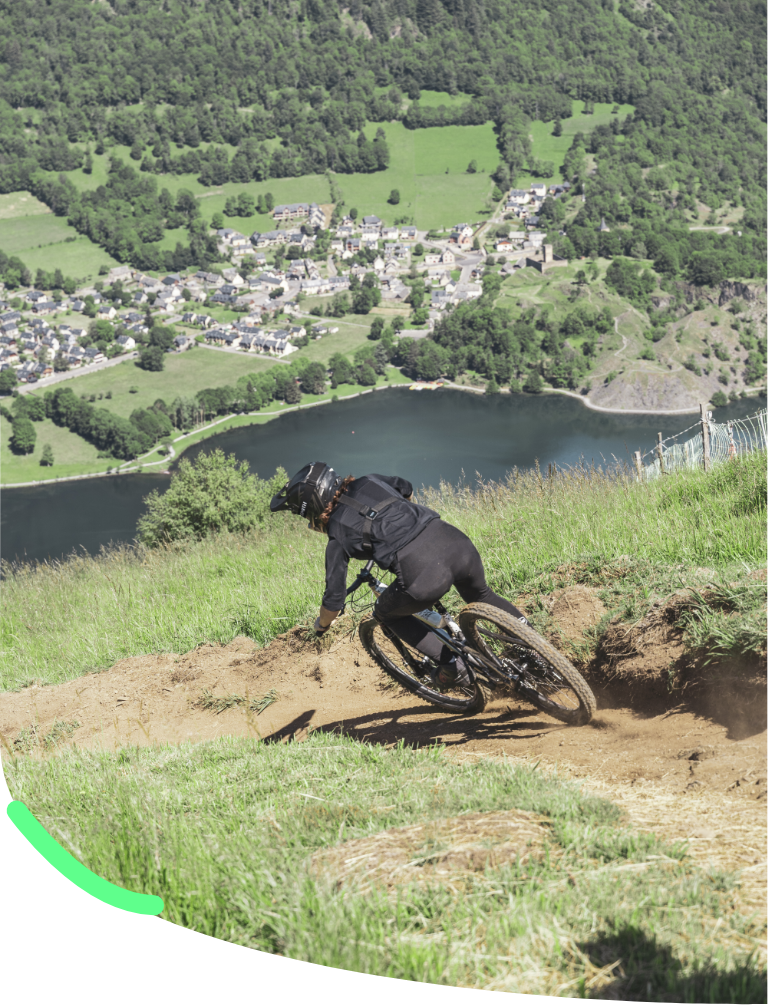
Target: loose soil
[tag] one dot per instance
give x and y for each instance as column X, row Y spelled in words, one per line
column 692, row 768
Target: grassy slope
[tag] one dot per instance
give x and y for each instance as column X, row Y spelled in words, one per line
column 682, row 527
column 224, row 832
column 21, row 204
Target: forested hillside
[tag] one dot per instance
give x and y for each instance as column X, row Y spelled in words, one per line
column 280, row 89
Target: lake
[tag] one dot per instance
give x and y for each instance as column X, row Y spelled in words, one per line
column 426, row 437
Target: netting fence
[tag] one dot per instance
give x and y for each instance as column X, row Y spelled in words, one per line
column 712, row 442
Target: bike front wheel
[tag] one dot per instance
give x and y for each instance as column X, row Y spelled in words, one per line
column 411, row 670
column 546, row 678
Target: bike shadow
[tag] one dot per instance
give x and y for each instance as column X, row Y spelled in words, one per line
column 421, row 727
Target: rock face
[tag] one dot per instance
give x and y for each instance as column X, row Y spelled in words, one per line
column 729, row 290
column 652, row 391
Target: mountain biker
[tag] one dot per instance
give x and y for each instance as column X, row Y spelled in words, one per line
column 374, row 517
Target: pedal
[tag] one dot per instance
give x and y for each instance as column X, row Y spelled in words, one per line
column 421, row 668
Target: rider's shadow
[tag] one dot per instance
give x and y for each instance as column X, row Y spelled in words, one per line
column 420, row 726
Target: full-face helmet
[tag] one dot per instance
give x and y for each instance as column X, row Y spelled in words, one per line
column 308, row 492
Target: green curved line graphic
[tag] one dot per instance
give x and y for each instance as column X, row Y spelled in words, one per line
column 76, row 872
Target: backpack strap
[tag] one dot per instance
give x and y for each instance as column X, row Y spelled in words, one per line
column 369, row 514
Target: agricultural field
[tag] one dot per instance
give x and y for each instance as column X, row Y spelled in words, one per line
column 16, row 204
column 428, row 168
column 44, row 241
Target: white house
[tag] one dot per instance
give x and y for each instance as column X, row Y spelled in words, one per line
column 518, row 197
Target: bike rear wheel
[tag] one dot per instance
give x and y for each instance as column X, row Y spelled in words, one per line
column 410, row 669
column 547, row 681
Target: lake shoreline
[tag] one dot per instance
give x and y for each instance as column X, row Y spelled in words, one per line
column 139, row 468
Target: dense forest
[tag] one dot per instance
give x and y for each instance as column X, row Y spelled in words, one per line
column 290, row 84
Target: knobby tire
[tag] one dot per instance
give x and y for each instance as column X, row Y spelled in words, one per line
column 549, row 682
column 401, row 663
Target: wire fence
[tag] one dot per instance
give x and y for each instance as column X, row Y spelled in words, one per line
column 712, row 442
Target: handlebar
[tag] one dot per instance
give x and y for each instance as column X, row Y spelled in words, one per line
column 362, row 577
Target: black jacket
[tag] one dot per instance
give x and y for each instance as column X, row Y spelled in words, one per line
column 396, row 527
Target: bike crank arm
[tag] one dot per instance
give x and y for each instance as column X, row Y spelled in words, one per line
column 492, row 670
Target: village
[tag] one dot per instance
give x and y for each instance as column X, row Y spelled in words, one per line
column 266, row 278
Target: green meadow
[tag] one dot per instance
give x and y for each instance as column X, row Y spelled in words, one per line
column 72, row 455
column 184, row 375
column 547, row 147
column 44, row 241
column 226, row 833
column 21, row 204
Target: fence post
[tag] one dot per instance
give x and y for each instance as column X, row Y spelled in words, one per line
column 705, row 436
column 660, row 454
column 732, row 445
column 639, row 464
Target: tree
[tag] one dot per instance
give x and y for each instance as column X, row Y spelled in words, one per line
column 23, row 436
column 151, row 357
column 366, row 375
column 377, row 327
column 46, row 458
column 492, row 387
column 472, row 167
column 8, row 380
column 313, row 379
column 60, row 364
column 246, row 205
column 217, row 221
column 394, row 197
column 353, row 213
column 292, row 394
column 719, row 399
column 269, row 202
column 534, row 384
column 214, row 493
column 557, row 129
column 341, row 370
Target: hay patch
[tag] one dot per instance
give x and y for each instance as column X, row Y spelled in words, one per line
column 442, row 851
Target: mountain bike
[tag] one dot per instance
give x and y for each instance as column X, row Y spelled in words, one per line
column 499, row 651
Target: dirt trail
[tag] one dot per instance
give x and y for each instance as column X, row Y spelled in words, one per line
column 674, row 770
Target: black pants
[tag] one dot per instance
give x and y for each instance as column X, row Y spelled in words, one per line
column 439, row 558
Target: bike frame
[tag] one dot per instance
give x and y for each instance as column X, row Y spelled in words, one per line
column 453, row 638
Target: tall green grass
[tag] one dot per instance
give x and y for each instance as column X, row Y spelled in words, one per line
column 224, row 832
column 65, row 619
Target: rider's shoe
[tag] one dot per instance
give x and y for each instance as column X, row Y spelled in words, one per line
column 454, row 673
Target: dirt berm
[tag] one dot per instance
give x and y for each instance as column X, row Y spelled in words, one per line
column 705, row 737
column 691, row 767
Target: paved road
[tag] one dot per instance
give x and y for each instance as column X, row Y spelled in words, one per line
column 57, row 378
